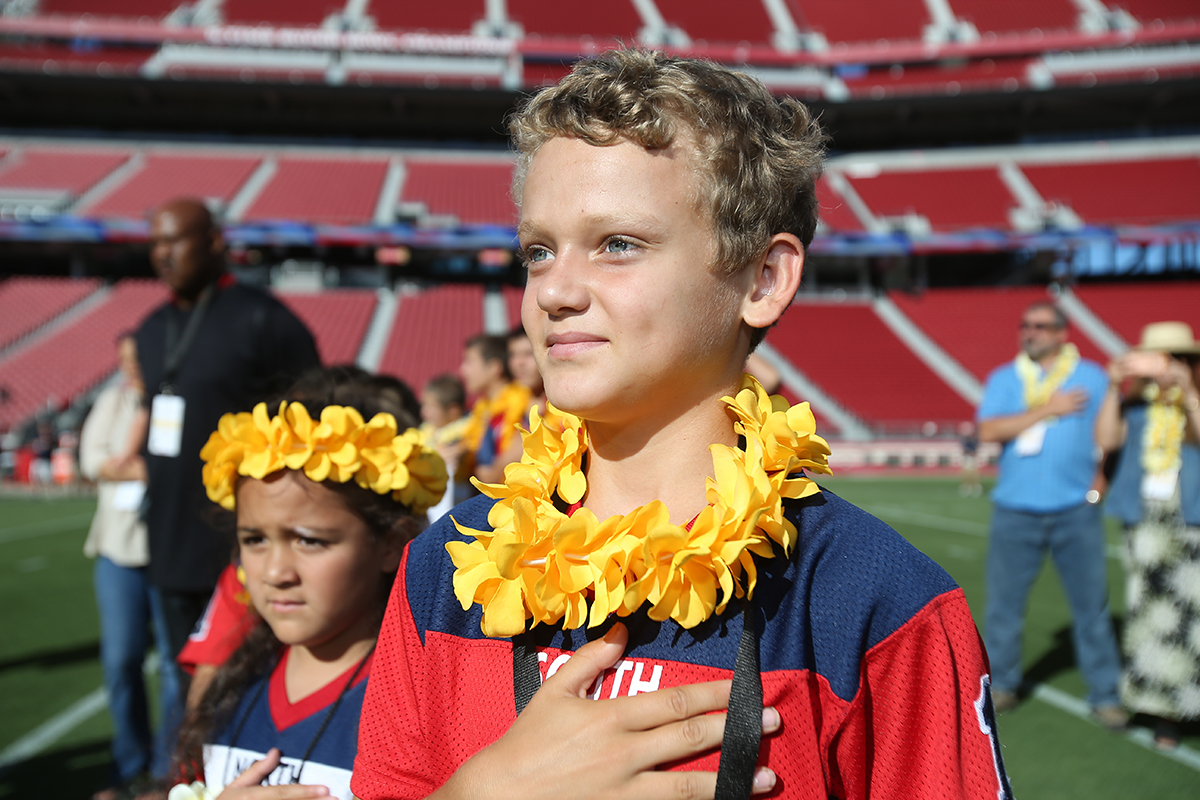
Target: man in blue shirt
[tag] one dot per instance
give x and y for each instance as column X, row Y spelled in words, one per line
column 1042, row 408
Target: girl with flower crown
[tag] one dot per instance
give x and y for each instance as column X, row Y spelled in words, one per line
column 326, row 492
column 1151, row 414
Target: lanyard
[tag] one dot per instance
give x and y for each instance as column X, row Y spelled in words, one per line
column 177, row 343
column 743, row 722
column 320, row 731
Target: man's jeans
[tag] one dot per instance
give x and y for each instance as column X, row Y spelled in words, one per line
column 128, row 605
column 1075, row 539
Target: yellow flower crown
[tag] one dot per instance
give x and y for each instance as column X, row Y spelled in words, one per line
column 339, row 447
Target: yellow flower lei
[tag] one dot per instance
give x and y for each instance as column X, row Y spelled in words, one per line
column 337, row 448
column 539, row 563
column 1038, row 388
column 1165, row 424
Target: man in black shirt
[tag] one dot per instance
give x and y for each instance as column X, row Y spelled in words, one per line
column 217, row 346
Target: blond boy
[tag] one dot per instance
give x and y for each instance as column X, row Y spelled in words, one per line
column 666, row 205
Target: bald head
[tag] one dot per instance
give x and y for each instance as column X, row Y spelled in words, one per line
column 187, row 249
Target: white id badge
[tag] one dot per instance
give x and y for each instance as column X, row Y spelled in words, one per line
column 1029, row 442
column 128, row 495
column 1159, row 486
column 166, row 425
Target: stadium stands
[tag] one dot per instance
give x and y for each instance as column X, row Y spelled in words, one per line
column 163, row 176
column 67, row 169
column 951, row 199
column 337, row 318
column 1018, row 16
column 709, row 21
column 30, row 303
column 76, row 357
column 50, row 58
column 834, row 214
column 851, row 354
column 1008, row 74
column 1149, row 12
column 435, row 18
column 430, row 329
column 862, row 20
column 474, row 192
column 337, row 191
column 136, row 9
column 978, row 327
column 1126, row 307
column 615, row 19
column 294, row 13
column 1144, row 192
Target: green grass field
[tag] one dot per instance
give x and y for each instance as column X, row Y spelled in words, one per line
column 49, row 663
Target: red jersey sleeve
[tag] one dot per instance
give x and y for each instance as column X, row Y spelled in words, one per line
column 922, row 723
column 224, row 625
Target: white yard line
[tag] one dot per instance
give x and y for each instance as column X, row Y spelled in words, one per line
column 31, row 530
column 1140, row 736
column 53, row 729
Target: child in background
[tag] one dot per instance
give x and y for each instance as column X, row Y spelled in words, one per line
column 326, row 493
column 444, row 423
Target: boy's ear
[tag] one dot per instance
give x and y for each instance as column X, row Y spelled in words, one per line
column 775, row 281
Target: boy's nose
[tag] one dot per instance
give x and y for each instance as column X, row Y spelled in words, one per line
column 562, row 288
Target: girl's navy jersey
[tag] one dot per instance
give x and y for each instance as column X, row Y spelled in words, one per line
column 867, row 649
column 265, row 718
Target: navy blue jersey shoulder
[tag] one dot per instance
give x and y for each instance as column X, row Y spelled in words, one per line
column 851, row 582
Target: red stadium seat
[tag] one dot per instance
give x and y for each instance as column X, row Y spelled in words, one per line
column 978, row 327
column 338, row 191
column 337, row 318
column 430, row 330
column 26, row 304
column 951, row 199
column 164, row 176
column 1146, row 192
column 851, row 354
column 76, row 357
column 474, row 192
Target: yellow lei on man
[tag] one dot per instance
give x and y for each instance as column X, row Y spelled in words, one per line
column 539, row 563
column 1165, row 424
column 1038, row 387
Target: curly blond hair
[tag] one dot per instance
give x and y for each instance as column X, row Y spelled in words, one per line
column 758, row 157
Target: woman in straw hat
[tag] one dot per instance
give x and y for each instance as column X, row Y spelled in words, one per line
column 1152, row 414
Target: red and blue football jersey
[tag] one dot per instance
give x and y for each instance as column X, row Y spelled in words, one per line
column 266, row 718
column 867, row 649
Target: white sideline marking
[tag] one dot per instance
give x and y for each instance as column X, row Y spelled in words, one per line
column 1140, row 736
column 53, row 729
column 32, row 530
column 940, row 523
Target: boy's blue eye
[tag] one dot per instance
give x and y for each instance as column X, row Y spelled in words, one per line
column 618, row 246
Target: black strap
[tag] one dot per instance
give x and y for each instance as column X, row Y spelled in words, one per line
column 527, row 676
column 743, row 721
column 177, row 343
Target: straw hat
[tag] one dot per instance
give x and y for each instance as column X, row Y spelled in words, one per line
column 1169, row 337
